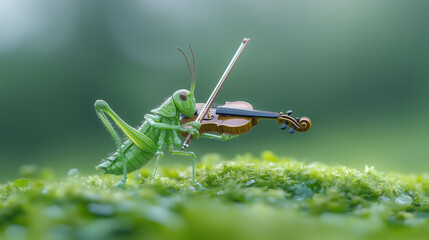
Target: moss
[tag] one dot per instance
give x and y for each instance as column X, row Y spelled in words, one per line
column 248, row 197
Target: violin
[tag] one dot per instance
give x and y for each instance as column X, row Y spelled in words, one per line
column 239, row 117
column 236, row 118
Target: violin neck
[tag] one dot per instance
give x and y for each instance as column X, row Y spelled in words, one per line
column 222, row 110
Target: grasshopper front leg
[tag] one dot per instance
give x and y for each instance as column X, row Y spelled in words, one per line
column 159, row 153
column 175, row 140
column 164, row 127
column 191, row 127
column 222, row 137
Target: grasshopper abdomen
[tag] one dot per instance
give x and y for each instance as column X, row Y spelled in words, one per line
column 135, row 159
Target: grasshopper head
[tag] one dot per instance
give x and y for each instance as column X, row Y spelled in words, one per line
column 185, row 102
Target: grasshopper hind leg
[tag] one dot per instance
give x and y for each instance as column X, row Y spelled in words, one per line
column 101, row 107
column 124, row 178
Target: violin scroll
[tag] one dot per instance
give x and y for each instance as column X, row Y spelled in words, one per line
column 302, row 124
column 305, row 124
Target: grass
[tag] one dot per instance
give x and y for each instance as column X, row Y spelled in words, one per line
column 248, row 197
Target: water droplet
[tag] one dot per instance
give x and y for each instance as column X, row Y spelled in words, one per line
column 404, row 200
column 302, row 193
column 384, row 198
column 74, row 172
column 250, row 182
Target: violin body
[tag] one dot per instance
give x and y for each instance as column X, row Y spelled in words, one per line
column 239, row 117
column 223, row 124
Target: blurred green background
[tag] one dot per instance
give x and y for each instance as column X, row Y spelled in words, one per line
column 358, row 69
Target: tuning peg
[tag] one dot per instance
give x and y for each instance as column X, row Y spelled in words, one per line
column 292, row 130
column 284, row 125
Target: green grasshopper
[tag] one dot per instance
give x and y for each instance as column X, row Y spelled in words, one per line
column 160, row 129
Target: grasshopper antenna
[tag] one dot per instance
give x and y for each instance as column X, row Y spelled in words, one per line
column 189, row 66
column 193, row 61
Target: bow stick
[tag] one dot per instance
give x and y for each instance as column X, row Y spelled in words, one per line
column 217, row 88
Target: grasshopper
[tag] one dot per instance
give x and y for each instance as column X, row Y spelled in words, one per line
column 161, row 128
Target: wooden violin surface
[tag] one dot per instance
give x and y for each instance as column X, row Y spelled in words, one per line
column 224, row 124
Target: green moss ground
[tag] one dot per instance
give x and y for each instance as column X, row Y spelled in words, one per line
column 248, row 197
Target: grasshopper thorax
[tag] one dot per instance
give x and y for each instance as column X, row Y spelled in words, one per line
column 185, row 102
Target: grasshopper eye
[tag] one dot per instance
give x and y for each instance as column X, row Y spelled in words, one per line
column 183, row 96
